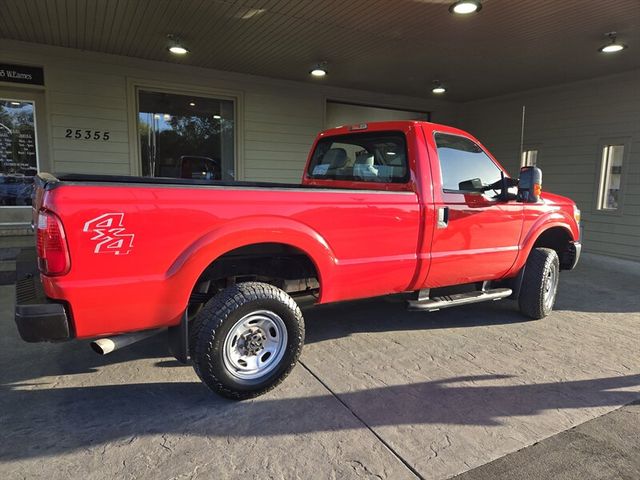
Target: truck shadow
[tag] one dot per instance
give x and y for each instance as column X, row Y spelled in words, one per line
column 47, row 422
column 390, row 314
column 32, row 361
column 594, row 289
column 323, row 323
column 587, row 289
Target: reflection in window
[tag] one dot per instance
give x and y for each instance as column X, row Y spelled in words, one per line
column 18, row 154
column 361, row 157
column 185, row 136
column 610, row 177
column 464, row 164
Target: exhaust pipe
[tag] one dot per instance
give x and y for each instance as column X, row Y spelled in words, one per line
column 103, row 346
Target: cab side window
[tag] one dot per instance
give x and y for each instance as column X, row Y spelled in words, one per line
column 463, row 164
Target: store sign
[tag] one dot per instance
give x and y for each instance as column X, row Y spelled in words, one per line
column 21, row 74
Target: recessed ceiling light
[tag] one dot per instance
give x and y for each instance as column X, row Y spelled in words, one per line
column 178, row 50
column 166, row 117
column 192, row 104
column 252, row 12
column 175, row 45
column 612, row 48
column 438, row 88
column 465, row 7
column 217, row 117
column 319, row 69
column 613, row 45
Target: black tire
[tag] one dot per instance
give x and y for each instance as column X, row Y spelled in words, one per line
column 220, row 315
column 539, row 283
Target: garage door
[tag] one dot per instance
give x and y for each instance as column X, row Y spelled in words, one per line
column 340, row 113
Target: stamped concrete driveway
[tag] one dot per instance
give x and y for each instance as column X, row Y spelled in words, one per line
column 380, row 393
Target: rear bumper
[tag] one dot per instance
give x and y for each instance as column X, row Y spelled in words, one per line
column 38, row 318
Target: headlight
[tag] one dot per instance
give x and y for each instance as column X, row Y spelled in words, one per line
column 576, row 214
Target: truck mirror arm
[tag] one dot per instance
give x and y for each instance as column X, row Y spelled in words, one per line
column 502, row 186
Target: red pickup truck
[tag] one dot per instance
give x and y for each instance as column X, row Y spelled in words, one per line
column 405, row 207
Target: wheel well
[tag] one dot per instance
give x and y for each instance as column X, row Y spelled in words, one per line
column 558, row 239
column 281, row 265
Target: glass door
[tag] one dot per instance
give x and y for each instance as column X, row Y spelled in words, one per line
column 21, row 152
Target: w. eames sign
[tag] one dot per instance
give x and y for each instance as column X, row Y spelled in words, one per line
column 21, row 74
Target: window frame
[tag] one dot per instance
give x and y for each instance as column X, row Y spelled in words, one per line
column 625, row 142
column 134, row 85
column 481, row 147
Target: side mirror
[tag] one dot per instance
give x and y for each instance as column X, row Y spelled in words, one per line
column 530, row 185
column 472, row 185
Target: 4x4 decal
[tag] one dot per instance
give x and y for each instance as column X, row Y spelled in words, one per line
column 110, row 233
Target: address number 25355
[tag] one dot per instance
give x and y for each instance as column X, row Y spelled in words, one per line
column 80, row 134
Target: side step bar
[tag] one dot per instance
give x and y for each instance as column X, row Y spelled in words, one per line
column 433, row 304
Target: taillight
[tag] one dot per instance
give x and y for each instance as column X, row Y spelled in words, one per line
column 53, row 254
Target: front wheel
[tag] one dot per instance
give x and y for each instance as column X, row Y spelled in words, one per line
column 246, row 340
column 540, row 283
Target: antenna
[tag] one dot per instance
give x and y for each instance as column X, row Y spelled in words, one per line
column 522, row 134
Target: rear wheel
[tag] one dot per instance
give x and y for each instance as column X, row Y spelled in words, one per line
column 540, row 283
column 246, row 340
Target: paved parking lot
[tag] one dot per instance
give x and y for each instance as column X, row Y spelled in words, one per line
column 381, row 393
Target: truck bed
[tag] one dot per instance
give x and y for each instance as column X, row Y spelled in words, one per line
column 137, row 245
column 75, row 178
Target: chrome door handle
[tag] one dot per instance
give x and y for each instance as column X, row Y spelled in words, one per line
column 443, row 217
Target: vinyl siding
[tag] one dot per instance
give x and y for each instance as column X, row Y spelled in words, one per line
column 276, row 120
column 567, row 125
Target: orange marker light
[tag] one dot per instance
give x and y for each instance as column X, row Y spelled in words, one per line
column 537, row 189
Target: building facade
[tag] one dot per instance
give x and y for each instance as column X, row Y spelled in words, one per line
column 104, row 114
column 96, row 113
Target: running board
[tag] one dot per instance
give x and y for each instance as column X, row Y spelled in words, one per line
column 433, row 304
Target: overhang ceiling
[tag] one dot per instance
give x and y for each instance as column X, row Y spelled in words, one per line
column 393, row 46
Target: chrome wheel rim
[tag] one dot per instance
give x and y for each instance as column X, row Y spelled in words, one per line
column 255, row 345
column 550, row 287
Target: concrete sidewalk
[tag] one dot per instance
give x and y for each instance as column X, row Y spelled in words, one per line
column 381, row 393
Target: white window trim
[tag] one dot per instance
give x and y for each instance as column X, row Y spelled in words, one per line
column 602, row 143
column 136, row 84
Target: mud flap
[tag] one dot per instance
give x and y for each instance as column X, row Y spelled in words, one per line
column 179, row 339
column 516, row 284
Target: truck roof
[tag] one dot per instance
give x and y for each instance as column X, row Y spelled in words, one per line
column 391, row 125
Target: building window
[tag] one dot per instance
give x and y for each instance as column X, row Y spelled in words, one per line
column 529, row 158
column 186, row 136
column 610, row 177
column 18, row 152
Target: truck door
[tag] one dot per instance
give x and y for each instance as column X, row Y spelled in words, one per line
column 475, row 234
